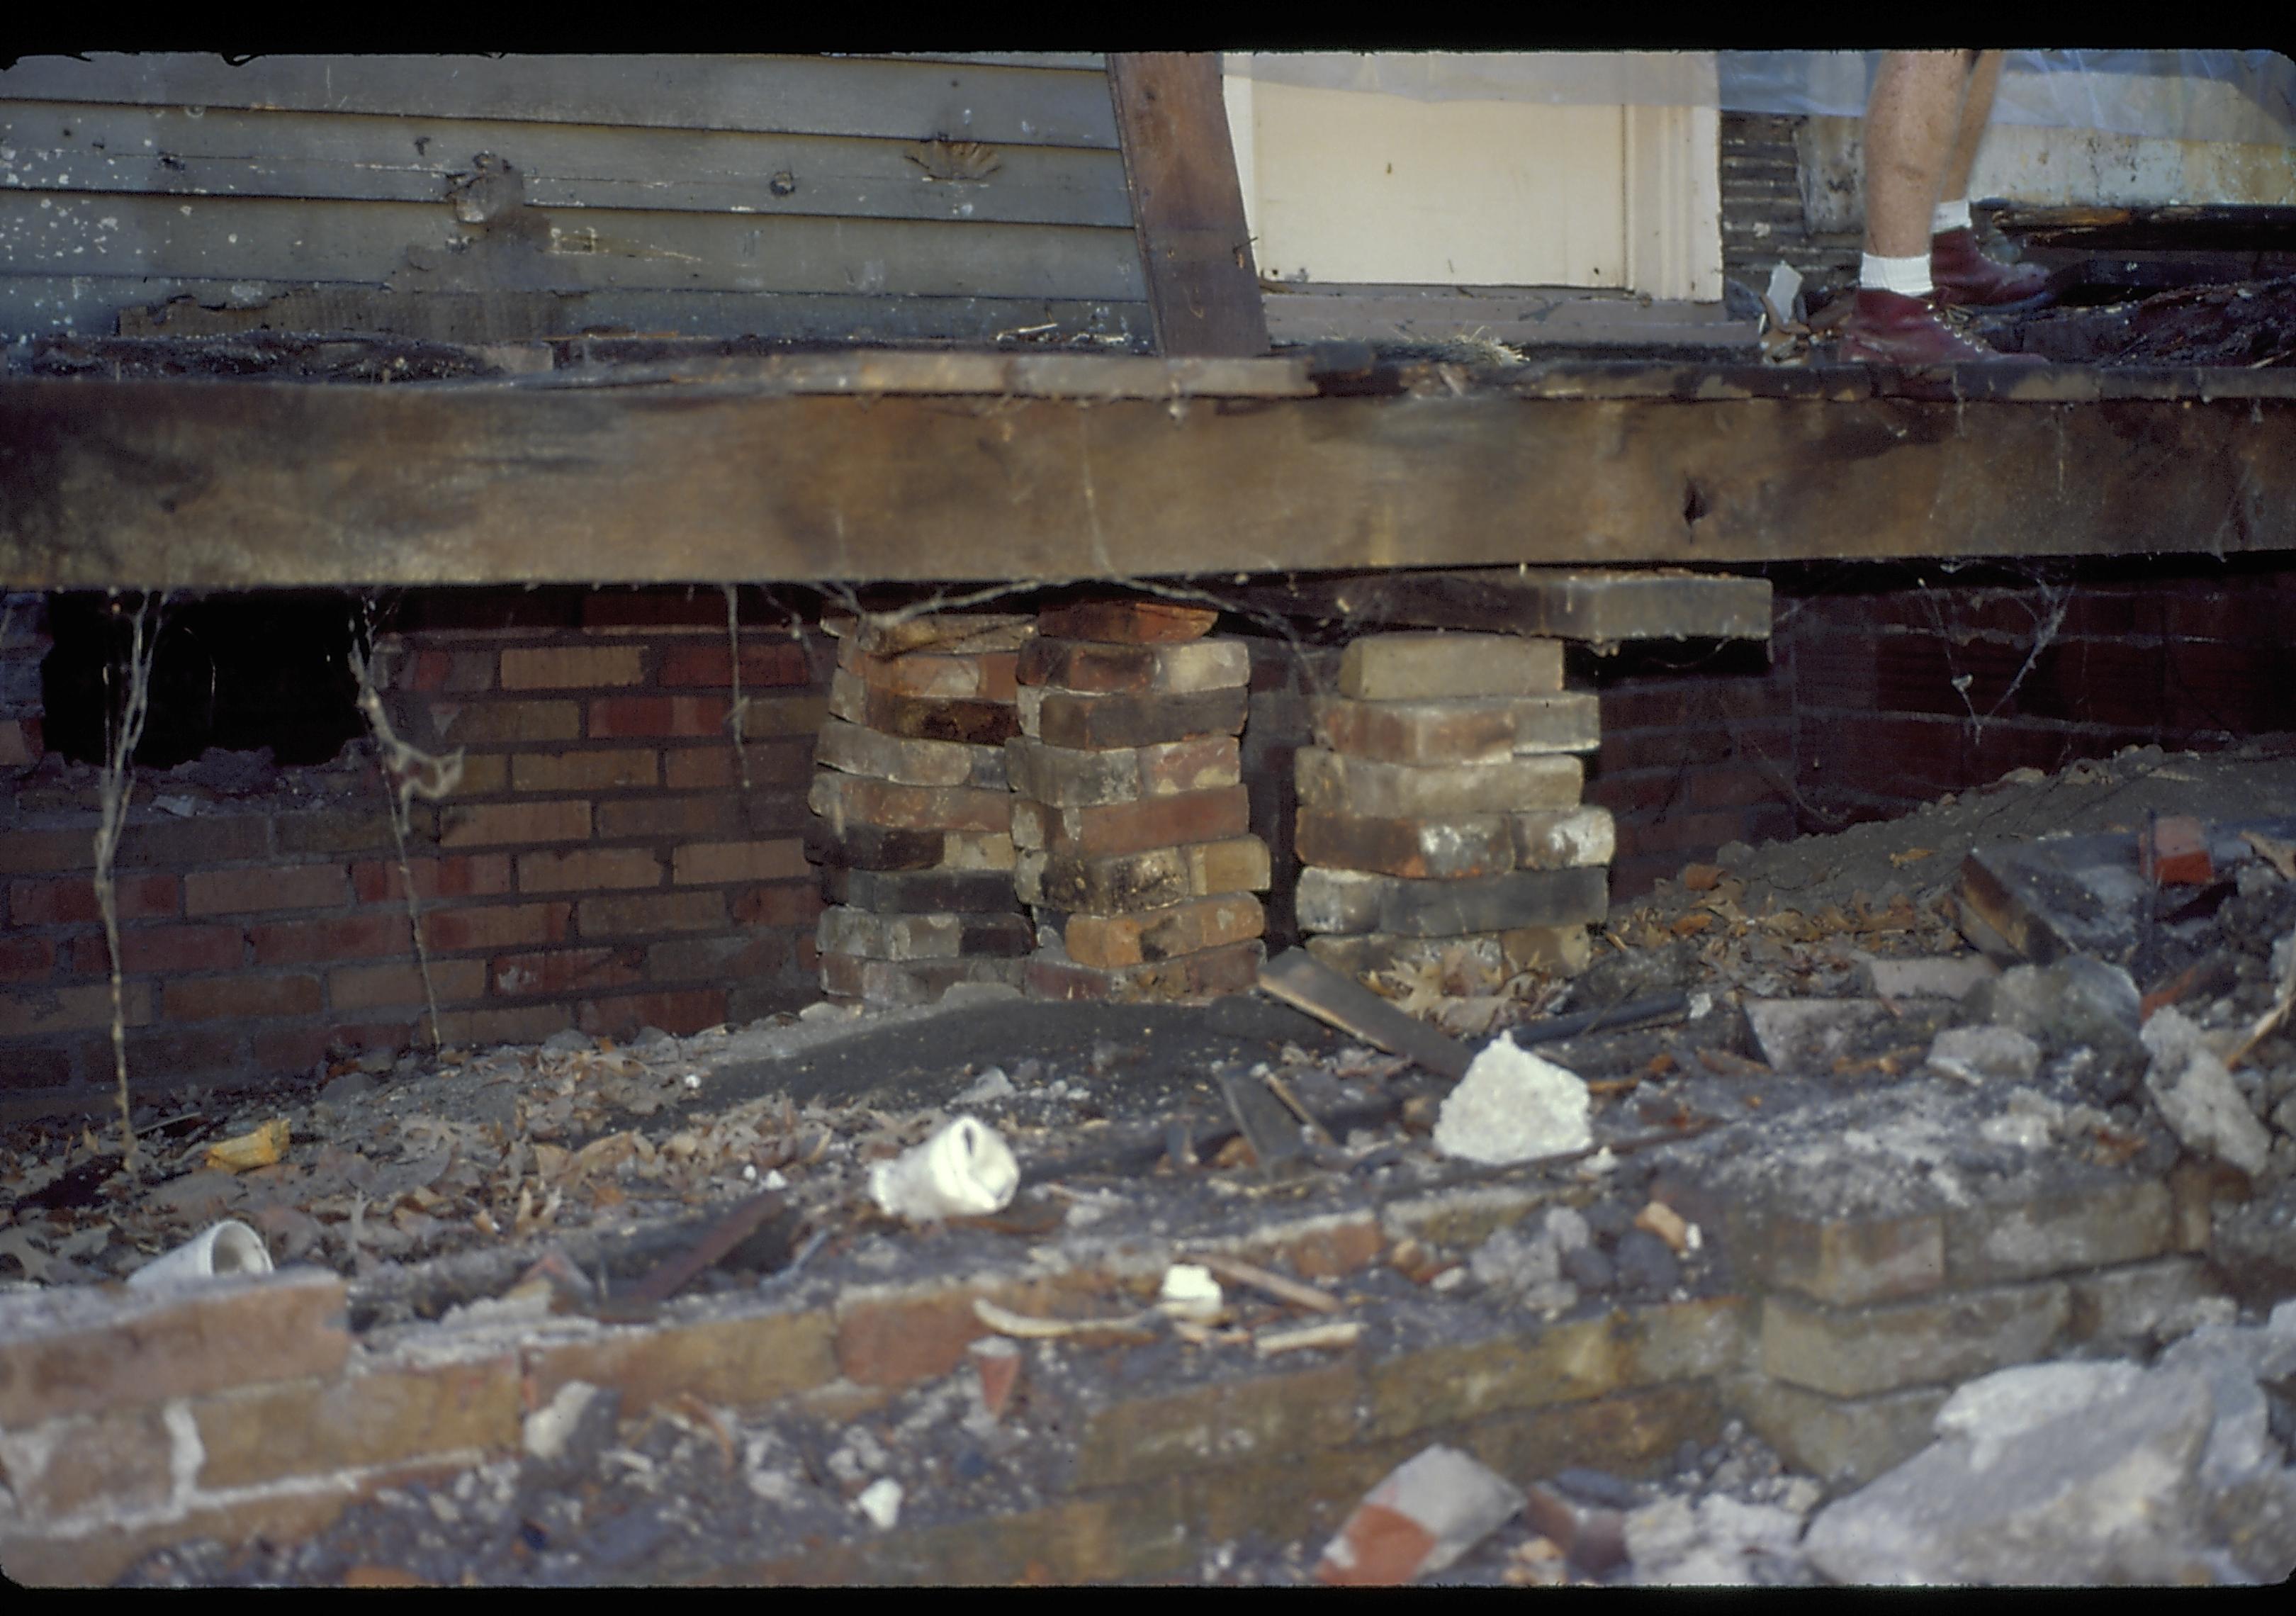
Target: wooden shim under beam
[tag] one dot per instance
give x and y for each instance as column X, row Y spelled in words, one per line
column 1187, row 206
column 1605, row 607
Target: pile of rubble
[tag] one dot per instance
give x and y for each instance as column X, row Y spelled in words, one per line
column 1810, row 1022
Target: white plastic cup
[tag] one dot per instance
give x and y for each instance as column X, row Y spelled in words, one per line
column 965, row 1170
column 224, row 1248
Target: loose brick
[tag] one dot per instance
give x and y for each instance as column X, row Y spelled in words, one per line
column 899, row 982
column 1100, row 723
column 464, row 875
column 1234, row 968
column 2124, row 1222
column 1134, row 621
column 72, row 902
column 777, row 663
column 974, row 723
column 618, row 717
column 374, row 987
column 496, row 926
column 868, row 846
column 1205, row 763
column 921, row 891
column 683, row 1011
column 307, row 1427
column 506, row 723
column 1238, row 865
column 1118, row 885
column 1449, row 733
column 481, row 825
column 1422, row 667
column 987, row 676
column 1133, row 827
column 588, row 870
column 728, row 861
column 907, row 937
column 593, row 771
column 1561, row 950
column 1101, row 669
column 1110, row 943
column 1844, row 1442
column 857, row 750
column 564, row 970
column 572, row 666
column 2137, row 1305
column 843, row 798
column 293, row 942
column 658, row 912
column 1568, row 841
column 100, row 1351
column 1348, row 901
column 1933, row 1340
column 950, row 632
column 1444, row 849
column 743, row 1362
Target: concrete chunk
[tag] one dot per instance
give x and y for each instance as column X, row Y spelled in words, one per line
column 1414, row 667
column 2197, row 1097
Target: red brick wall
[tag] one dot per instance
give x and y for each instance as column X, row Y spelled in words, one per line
column 598, row 867
column 1857, row 713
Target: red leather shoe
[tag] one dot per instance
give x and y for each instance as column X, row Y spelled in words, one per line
column 1887, row 328
column 1963, row 277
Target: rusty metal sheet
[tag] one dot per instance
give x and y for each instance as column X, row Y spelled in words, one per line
column 221, row 485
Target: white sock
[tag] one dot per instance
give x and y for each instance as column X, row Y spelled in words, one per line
column 1950, row 216
column 1908, row 277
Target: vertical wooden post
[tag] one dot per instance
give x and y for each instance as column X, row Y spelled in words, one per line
column 1187, row 207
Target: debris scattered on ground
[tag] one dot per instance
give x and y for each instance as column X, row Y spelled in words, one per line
column 1429, row 1511
column 2085, row 1473
column 1512, row 1105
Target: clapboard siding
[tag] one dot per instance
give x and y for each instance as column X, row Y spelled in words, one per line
column 657, row 188
column 906, row 100
column 356, row 157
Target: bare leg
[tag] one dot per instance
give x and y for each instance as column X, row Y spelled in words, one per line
column 1911, row 123
column 1976, row 111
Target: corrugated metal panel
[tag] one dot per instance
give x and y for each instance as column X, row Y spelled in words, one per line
column 969, row 195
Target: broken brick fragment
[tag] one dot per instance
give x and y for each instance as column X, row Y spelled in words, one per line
column 2174, row 852
column 997, row 1362
column 1128, row 621
column 1428, row 1512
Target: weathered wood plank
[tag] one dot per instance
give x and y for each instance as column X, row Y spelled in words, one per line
column 232, row 484
column 60, row 146
column 1605, row 607
column 1187, row 203
column 91, row 304
column 916, row 99
column 300, row 239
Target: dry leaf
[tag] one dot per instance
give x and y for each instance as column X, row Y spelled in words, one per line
column 2280, row 854
column 1691, row 923
column 261, row 1148
column 1702, row 877
column 1911, row 856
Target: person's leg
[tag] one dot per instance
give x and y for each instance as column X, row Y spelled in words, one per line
column 1913, row 121
column 1960, row 274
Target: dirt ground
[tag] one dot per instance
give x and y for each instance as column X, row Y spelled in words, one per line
column 435, row 1182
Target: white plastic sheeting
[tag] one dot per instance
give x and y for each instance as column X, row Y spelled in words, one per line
column 2243, row 97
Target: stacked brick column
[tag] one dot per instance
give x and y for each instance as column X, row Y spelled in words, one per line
column 1439, row 809
column 1129, row 809
column 916, row 827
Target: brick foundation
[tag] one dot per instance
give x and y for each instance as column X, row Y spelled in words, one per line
column 130, row 1421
